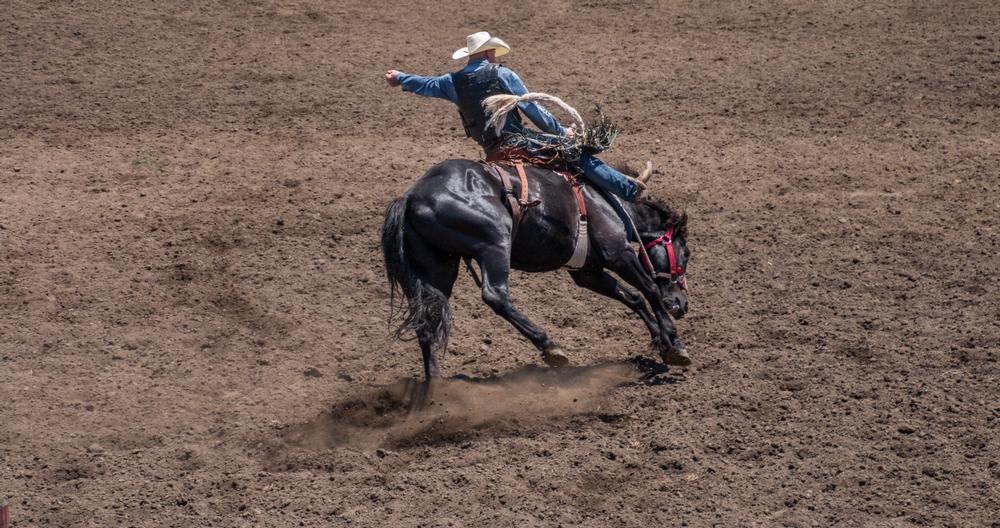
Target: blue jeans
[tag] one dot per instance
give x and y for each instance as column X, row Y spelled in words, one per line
column 607, row 178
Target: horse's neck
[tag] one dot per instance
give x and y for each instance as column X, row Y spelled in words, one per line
column 640, row 215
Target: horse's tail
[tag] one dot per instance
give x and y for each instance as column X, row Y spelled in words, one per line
column 426, row 311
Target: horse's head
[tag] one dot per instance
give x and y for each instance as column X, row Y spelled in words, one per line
column 664, row 234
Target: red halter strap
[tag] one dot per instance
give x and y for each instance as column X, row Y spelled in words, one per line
column 676, row 272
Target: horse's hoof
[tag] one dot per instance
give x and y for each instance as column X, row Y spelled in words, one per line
column 555, row 358
column 677, row 357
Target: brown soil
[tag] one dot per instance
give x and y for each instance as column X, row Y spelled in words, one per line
column 193, row 313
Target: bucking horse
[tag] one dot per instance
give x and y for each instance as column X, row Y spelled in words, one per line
column 467, row 210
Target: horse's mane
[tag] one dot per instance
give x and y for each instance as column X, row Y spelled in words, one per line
column 652, row 214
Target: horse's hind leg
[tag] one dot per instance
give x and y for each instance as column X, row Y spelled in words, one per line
column 495, row 268
column 437, row 273
column 604, row 284
column 431, row 369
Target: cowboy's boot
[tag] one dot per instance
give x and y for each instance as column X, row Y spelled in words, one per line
column 641, row 195
column 641, row 179
column 646, row 173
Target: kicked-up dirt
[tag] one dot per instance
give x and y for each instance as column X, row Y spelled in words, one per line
column 193, row 309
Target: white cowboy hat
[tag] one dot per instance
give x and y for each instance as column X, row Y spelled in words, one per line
column 481, row 41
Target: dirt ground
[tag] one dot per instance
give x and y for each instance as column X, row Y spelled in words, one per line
column 193, row 309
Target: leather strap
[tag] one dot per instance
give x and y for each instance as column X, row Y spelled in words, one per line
column 524, row 183
column 582, row 244
column 508, row 190
column 581, row 203
column 517, row 204
column 666, row 240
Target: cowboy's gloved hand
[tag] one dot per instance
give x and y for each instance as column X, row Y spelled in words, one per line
column 570, row 132
column 390, row 78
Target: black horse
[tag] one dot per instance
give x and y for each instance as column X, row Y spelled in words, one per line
column 457, row 210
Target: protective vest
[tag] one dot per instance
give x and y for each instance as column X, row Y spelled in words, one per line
column 472, row 89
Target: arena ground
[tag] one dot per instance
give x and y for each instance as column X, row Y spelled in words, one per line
column 193, row 309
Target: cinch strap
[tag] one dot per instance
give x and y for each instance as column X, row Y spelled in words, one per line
column 582, row 246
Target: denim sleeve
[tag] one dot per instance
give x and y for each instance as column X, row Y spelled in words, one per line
column 538, row 115
column 441, row 86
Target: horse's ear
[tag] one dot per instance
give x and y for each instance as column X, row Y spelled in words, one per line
column 682, row 226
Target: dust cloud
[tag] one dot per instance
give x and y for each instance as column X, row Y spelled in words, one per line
column 407, row 412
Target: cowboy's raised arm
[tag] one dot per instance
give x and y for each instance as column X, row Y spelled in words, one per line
column 541, row 117
column 441, row 86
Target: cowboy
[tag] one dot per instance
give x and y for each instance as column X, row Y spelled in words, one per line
column 483, row 77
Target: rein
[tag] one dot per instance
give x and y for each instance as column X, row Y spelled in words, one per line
column 676, row 275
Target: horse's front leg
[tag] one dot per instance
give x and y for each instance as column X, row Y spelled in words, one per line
column 626, row 264
column 603, row 283
column 495, row 267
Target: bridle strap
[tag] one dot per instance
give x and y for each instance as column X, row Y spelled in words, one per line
column 666, row 240
column 646, row 263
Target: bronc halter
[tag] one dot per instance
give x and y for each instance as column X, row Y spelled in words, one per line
column 676, row 274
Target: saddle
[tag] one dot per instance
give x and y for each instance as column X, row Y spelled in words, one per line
column 500, row 161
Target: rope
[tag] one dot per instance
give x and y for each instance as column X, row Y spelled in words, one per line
column 498, row 106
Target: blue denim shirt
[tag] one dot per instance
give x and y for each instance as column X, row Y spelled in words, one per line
column 442, row 87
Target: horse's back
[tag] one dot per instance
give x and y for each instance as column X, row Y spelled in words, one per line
column 454, row 179
column 459, row 204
